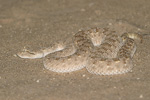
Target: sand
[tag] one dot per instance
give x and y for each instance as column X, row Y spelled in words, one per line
column 35, row 24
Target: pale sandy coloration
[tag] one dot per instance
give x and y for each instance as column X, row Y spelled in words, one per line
column 101, row 51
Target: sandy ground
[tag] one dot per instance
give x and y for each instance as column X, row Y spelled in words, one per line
column 36, row 24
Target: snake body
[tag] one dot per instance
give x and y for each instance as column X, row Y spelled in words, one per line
column 99, row 50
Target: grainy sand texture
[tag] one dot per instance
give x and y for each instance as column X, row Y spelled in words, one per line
column 35, row 24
